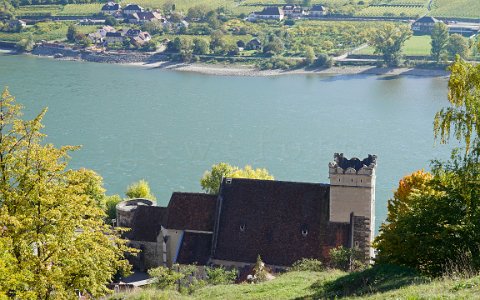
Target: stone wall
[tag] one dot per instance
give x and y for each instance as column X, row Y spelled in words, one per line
column 361, row 236
column 106, row 57
column 150, row 255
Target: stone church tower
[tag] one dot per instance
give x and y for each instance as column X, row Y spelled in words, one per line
column 352, row 195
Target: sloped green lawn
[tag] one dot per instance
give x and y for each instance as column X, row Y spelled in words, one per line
column 380, row 282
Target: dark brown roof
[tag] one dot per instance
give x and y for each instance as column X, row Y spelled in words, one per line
column 191, row 211
column 427, row 19
column 195, row 248
column 271, row 11
column 281, row 221
column 134, row 7
column 147, row 223
column 115, row 34
column 111, row 6
column 318, row 8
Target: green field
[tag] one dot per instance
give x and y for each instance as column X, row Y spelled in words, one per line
column 456, row 8
column 386, row 282
column 416, row 45
column 50, row 31
column 80, row 9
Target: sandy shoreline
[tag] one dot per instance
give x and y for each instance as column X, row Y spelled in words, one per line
column 239, row 70
column 243, row 70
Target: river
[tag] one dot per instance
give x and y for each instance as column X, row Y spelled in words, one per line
column 169, row 127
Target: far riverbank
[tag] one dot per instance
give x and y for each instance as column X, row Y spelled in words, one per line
column 222, row 69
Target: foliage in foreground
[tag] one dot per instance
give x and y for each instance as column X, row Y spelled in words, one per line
column 212, row 179
column 432, row 222
column 52, row 232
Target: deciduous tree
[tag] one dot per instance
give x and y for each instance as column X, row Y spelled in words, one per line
column 458, row 45
column 439, row 41
column 212, row 179
column 52, row 232
column 140, row 189
column 309, row 55
column 388, row 41
column 463, row 114
column 72, row 32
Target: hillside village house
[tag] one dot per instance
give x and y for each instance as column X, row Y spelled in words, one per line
column 318, row 11
column 143, row 17
column 268, row 13
column 16, row 24
column 130, row 9
column 99, row 36
column 279, row 220
column 138, row 37
column 254, row 44
column 294, row 11
column 111, row 8
column 114, row 37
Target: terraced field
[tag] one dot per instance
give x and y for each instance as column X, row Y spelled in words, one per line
column 59, row 10
column 456, row 8
column 406, row 2
column 412, row 11
column 37, row 10
column 281, row 2
column 80, row 9
column 385, row 8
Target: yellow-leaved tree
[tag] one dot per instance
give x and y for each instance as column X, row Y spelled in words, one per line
column 391, row 243
column 53, row 239
column 212, row 179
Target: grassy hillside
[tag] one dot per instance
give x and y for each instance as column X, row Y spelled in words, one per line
column 384, row 282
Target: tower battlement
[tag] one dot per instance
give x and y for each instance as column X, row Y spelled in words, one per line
column 342, row 165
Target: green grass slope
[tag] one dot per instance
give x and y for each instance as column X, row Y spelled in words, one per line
column 381, row 282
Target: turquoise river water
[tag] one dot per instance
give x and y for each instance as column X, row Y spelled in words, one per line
column 169, row 127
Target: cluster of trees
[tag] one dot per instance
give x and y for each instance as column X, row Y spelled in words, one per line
column 446, row 46
column 53, row 236
column 75, row 36
column 7, row 10
column 432, row 222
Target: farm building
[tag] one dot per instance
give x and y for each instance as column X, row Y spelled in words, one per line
column 111, row 8
column 130, row 9
column 268, row 13
column 281, row 221
column 318, row 11
column 424, row 25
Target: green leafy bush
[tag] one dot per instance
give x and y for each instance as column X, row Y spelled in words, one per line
column 165, row 278
column 308, row 264
column 346, row 259
column 220, row 275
